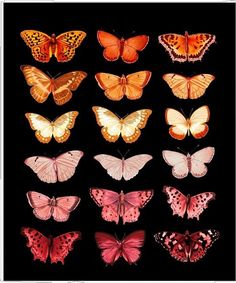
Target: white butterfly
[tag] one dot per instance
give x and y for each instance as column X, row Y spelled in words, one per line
column 126, row 168
column 183, row 164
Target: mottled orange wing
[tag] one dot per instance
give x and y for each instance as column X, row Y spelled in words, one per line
column 111, row 44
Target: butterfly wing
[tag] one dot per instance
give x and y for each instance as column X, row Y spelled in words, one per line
column 205, row 155
column 131, row 246
column 178, row 84
column 113, row 165
column 198, row 203
column 39, row 82
column 62, row 245
column 65, row 84
column 111, row 44
column 198, row 119
column 41, row 205
column 175, row 44
column 111, row 84
column 134, row 164
column 109, row 201
column 41, row 125
column 43, row 167
column 110, row 123
column 198, row 85
column 131, row 46
column 135, row 83
column 179, row 162
column 66, row 164
column 63, row 207
column 39, row 43
column 198, row 45
column 132, row 124
column 178, row 201
column 66, row 43
column 37, row 242
column 110, row 247
column 62, row 125
column 132, row 202
column 179, row 126
column 201, row 242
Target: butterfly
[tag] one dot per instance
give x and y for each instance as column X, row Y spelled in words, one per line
column 43, row 247
column 187, row 247
column 180, row 204
column 124, row 48
column 44, row 46
column 60, row 168
column 58, row 208
column 185, row 87
column 113, row 249
column 180, row 126
column 115, row 205
column 184, row 164
column 116, row 87
column 128, row 127
column 186, row 47
column 126, row 168
column 59, row 128
column 42, row 85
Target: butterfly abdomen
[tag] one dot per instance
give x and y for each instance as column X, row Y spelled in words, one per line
column 53, row 44
column 189, row 162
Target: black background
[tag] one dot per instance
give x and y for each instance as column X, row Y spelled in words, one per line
column 84, row 262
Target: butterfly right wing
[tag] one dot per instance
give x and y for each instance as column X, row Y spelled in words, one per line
column 179, row 126
column 63, row 207
column 198, row 119
column 198, row 85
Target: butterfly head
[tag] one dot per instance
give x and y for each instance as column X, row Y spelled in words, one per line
column 53, row 201
column 53, row 38
column 186, row 34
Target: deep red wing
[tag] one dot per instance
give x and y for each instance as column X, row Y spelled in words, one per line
column 37, row 242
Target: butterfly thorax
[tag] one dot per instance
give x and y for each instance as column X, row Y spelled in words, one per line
column 189, row 161
column 50, row 238
column 53, row 202
column 186, row 42
column 123, row 83
column 54, row 160
column 121, row 205
column 53, row 43
column 122, row 41
column 188, row 125
column 187, row 200
column 52, row 85
column 187, row 246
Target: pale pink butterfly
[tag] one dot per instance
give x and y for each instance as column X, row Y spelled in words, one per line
column 115, row 205
column 126, row 168
column 60, row 168
column 113, row 249
column 183, row 164
column 192, row 205
column 45, row 207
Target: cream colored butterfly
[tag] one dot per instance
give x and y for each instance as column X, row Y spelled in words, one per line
column 46, row 129
column 180, row 126
column 128, row 127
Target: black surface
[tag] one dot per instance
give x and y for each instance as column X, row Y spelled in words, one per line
column 84, row 262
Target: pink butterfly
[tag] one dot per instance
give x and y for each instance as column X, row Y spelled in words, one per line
column 60, row 168
column 116, row 205
column 126, row 168
column 43, row 247
column 183, row 164
column 58, row 208
column 113, row 249
column 181, row 204
column 187, row 247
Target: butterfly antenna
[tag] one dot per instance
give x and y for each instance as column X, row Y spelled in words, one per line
column 182, row 111
column 126, row 153
column 49, row 74
column 191, row 112
column 194, row 149
column 180, row 149
column 57, row 75
column 120, row 153
column 118, row 116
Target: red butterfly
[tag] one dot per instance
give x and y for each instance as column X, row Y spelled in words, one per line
column 113, row 249
column 116, row 205
column 181, row 204
column 57, row 248
column 58, row 208
column 187, row 247
column 124, row 48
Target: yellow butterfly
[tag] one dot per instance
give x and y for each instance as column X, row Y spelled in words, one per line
column 184, row 87
column 46, row 129
column 44, row 46
column 180, row 126
column 128, row 127
column 116, row 87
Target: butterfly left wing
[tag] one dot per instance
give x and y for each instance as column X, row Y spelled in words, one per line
column 62, row 245
column 63, row 207
column 198, row 203
column 198, row 119
column 66, row 43
column 198, row 85
column 179, row 126
column 65, row 84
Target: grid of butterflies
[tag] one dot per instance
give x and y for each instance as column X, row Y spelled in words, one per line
column 181, row 48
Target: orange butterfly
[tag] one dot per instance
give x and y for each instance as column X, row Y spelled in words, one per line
column 180, row 126
column 186, row 47
column 42, row 85
column 185, row 87
column 124, row 48
column 116, row 87
column 44, row 46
